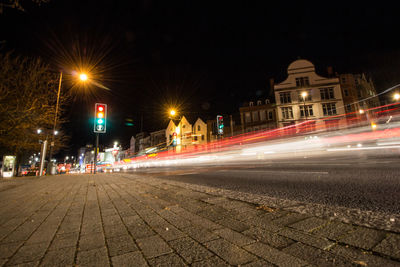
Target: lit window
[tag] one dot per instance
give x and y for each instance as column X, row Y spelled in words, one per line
column 306, row 111
column 326, row 93
column 302, row 81
column 285, row 98
column 329, row 109
column 287, row 112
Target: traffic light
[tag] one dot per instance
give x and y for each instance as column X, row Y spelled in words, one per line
column 100, row 118
column 220, row 124
column 174, row 138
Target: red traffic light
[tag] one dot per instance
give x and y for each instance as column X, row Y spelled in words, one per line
column 100, row 108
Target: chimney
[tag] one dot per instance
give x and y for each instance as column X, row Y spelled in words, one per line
column 330, row 71
column 271, row 83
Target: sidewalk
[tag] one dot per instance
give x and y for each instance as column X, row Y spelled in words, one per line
column 130, row 220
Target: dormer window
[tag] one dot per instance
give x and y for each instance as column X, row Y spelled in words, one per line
column 302, row 81
column 259, row 103
column 251, row 104
column 267, row 101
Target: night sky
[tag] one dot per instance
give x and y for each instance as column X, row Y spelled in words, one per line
column 205, row 57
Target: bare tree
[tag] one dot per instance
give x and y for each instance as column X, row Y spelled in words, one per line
column 16, row 4
column 28, row 96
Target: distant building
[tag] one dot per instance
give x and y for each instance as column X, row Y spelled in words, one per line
column 323, row 98
column 158, row 138
column 258, row 115
column 358, row 92
column 199, row 132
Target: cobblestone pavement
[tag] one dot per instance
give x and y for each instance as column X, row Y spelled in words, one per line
column 132, row 220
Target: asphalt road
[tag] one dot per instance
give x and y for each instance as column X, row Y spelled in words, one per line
column 363, row 180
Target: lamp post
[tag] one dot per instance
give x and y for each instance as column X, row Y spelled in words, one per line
column 304, row 95
column 178, row 129
column 396, row 96
column 83, row 77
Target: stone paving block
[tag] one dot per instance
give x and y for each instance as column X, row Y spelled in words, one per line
column 129, row 259
column 112, row 220
column 264, row 223
column 8, row 249
column 390, row 246
column 169, row 232
column 318, row 242
column 31, row 253
column 155, row 221
column 363, row 238
column 212, row 215
column 108, row 212
column 120, row 245
column 269, row 238
column 140, row 230
column 22, row 233
column 211, row 262
column 153, row 246
column 167, row 260
column 316, row 256
column 190, row 250
column 69, row 228
column 273, row 255
column 234, row 224
column 174, row 219
column 91, row 228
column 290, row 218
column 362, row 258
column 333, row 230
column 259, row 263
column 91, row 241
column 131, row 220
column 62, row 257
column 115, row 230
column 229, row 252
column 234, row 237
column 309, row 224
column 95, row 257
column 200, row 234
column 64, row 241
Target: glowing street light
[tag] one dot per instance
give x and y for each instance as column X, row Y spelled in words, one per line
column 361, row 111
column 396, row 96
column 172, row 112
column 39, row 131
column 304, row 95
column 83, row 77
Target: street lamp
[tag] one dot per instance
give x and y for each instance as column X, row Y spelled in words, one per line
column 396, row 96
column 83, row 77
column 304, row 95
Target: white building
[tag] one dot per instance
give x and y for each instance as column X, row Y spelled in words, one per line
column 199, row 132
column 323, row 97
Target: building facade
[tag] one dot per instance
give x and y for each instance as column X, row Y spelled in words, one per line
column 358, row 92
column 305, row 95
column 258, row 115
column 199, row 132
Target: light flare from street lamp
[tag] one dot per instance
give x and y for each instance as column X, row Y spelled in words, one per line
column 39, row 131
column 396, row 96
column 83, row 77
column 172, row 112
column 361, row 111
column 304, row 95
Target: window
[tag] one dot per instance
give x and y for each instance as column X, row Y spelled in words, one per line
column 247, row 117
column 251, row 104
column 348, row 108
column 198, row 128
column 308, row 97
column 202, row 137
column 195, row 138
column 302, row 81
column 285, row 98
column 287, row 112
column 255, row 115
column 306, row 111
column 329, row 109
column 343, row 80
column 346, row 92
column 184, row 126
column 326, row 93
column 270, row 115
column 263, row 116
column 267, row 101
column 258, row 102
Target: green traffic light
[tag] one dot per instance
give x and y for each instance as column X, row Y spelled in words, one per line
column 100, row 121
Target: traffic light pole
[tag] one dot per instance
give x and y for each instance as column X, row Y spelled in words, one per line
column 95, row 153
